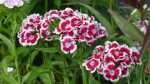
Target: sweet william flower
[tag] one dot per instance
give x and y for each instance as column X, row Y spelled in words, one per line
column 68, row 45
column 115, row 60
column 142, row 25
column 111, row 72
column 28, row 38
column 135, row 57
column 76, row 22
column 69, row 25
column 12, row 3
column 91, row 64
column 124, row 71
column 29, row 31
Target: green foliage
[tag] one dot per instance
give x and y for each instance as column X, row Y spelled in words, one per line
column 127, row 28
column 47, row 64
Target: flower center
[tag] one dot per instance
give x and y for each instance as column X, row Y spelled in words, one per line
column 112, row 72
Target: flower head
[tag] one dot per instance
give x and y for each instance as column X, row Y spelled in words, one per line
column 12, row 3
column 68, row 44
column 29, row 32
column 112, row 60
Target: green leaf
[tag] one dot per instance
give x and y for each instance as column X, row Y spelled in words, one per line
column 84, row 75
column 127, row 28
column 9, row 44
column 31, row 58
column 33, row 74
column 57, row 3
column 46, row 78
column 48, row 50
column 9, row 79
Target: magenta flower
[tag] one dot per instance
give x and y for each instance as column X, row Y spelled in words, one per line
column 52, row 14
column 68, row 44
column 68, row 12
column 116, row 53
column 114, row 60
column 73, row 27
column 124, row 71
column 77, row 25
column 135, row 56
column 76, row 22
column 111, row 72
column 29, row 32
column 28, row 38
column 91, row 64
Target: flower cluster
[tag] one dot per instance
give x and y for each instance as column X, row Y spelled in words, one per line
column 71, row 27
column 29, row 32
column 74, row 27
column 112, row 60
column 142, row 25
column 12, row 3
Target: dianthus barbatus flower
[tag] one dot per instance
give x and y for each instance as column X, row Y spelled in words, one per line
column 142, row 25
column 29, row 31
column 79, row 26
column 68, row 45
column 112, row 60
column 12, row 3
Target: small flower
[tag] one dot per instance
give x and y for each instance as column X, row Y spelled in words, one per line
column 52, row 14
column 12, row 3
column 124, row 71
column 98, row 53
column 29, row 32
column 142, row 25
column 113, row 44
column 135, row 57
column 108, row 58
column 91, row 64
column 116, row 53
column 46, row 34
column 28, row 38
column 127, row 54
column 32, row 22
column 68, row 12
column 111, row 72
column 10, row 69
column 76, row 22
column 68, row 45
column 64, row 26
column 82, row 33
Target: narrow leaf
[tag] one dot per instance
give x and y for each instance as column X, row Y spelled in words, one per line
column 127, row 28
column 33, row 74
column 9, row 44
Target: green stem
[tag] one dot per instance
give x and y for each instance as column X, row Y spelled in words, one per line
column 17, row 69
column 84, row 76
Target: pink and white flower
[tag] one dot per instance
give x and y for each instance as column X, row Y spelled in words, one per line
column 115, row 60
column 28, row 38
column 142, row 25
column 29, row 32
column 68, row 45
column 111, row 72
column 91, row 64
column 135, row 57
column 73, row 25
column 12, row 3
